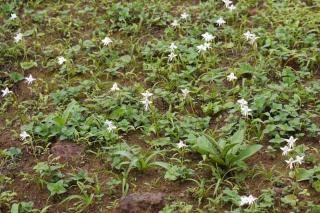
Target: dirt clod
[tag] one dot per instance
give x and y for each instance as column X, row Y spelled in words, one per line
column 67, row 151
column 145, row 202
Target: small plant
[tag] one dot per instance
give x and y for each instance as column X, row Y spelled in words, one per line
column 228, row 153
column 22, row 207
column 6, row 196
column 175, row 172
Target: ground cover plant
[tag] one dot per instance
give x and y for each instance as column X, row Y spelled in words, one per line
column 159, row 106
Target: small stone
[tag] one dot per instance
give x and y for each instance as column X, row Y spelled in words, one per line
column 145, row 202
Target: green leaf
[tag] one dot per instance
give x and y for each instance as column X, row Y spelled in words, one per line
column 15, row 76
column 56, row 188
column 161, row 141
column 217, row 159
column 246, row 153
column 41, row 167
column 204, row 146
column 227, row 148
column 316, row 185
column 118, row 113
column 28, row 32
column 15, row 208
column 124, row 154
column 161, row 164
column 231, row 196
column 28, row 65
column 238, row 137
column 172, row 173
column 125, row 59
column 88, row 44
column 7, row 8
column 12, row 152
column 290, row 200
column 59, row 121
column 302, row 174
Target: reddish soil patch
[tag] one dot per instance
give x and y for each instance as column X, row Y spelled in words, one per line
column 67, row 151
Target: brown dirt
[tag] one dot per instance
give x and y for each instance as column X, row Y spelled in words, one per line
column 67, row 151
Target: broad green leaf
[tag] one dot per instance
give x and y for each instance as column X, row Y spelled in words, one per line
column 290, row 200
column 217, row 159
column 316, row 185
column 88, row 44
column 28, row 32
column 161, row 141
column 59, row 121
column 28, row 65
column 56, row 188
column 302, row 174
column 246, row 153
column 15, row 208
column 124, row 154
column 172, row 173
column 238, row 137
column 15, row 76
column 125, row 59
column 227, row 148
column 204, row 146
column 161, row 164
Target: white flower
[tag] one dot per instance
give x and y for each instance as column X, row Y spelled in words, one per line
column 247, row 200
column 185, row 92
column 13, row 16
column 114, row 87
column 106, row 41
column 247, row 35
column 232, row 77
column 146, row 102
column 181, row 144
column 243, row 200
column 61, row 60
column 184, row 15
column 251, row 199
column 291, row 141
column 24, row 135
column 5, row 92
column 220, row 22
column 299, row 159
column 227, row 2
column 18, row 37
column 29, row 79
column 290, row 162
column 175, row 23
column 171, row 56
column 147, row 94
column 110, row 125
column 245, row 111
column 232, row 7
column 207, row 37
column 207, row 45
column 285, row 150
column 172, row 47
column 202, row 48
column 251, row 37
column 242, row 102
